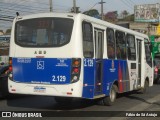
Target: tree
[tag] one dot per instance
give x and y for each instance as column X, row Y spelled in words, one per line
column 127, row 18
column 124, row 13
column 93, row 13
column 8, row 31
column 1, row 32
column 111, row 16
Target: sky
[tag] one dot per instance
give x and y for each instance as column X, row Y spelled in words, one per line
column 8, row 8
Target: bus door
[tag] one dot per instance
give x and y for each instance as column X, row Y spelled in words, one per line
column 99, row 38
column 139, row 55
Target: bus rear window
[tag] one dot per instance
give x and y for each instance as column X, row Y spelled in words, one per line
column 43, row 32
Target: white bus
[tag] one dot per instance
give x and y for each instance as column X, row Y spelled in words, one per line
column 76, row 56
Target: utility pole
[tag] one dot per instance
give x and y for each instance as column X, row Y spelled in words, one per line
column 102, row 9
column 51, row 7
column 74, row 6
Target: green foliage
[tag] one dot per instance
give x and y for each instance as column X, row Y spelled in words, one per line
column 128, row 18
column 93, row 13
column 1, row 31
column 111, row 16
column 8, row 31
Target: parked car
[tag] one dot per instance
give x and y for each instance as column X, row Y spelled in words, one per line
column 4, row 93
column 157, row 70
column 4, row 66
column 3, row 81
column 4, row 41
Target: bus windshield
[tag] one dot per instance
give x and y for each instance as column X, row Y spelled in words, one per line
column 43, row 32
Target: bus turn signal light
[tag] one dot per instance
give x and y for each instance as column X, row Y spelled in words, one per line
column 75, row 70
column 10, row 69
column 76, row 63
column 76, row 67
column 10, row 64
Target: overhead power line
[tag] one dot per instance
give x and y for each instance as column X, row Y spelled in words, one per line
column 21, row 7
column 132, row 2
column 128, row 5
column 6, row 16
column 3, row 19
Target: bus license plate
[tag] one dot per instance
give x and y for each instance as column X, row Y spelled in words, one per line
column 39, row 89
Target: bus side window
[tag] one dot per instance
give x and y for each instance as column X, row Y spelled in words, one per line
column 110, row 43
column 88, row 49
column 148, row 53
column 120, row 45
column 131, row 48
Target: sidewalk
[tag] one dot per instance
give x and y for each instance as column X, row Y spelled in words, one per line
column 154, row 107
column 150, row 106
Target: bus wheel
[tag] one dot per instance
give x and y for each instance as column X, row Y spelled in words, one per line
column 63, row 100
column 109, row 100
column 100, row 101
column 146, row 87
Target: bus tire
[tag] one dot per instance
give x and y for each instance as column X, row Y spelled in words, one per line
column 109, row 100
column 145, row 89
column 100, row 101
column 63, row 100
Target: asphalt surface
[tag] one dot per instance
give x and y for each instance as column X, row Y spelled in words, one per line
column 126, row 103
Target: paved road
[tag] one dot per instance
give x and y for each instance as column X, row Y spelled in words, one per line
column 125, row 102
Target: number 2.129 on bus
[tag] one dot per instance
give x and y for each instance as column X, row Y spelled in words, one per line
column 76, row 56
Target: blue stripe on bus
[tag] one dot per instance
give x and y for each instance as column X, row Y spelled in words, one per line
column 58, row 71
column 113, row 70
column 42, row 70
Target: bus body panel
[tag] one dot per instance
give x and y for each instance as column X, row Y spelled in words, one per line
column 56, row 60
column 42, row 70
column 88, row 78
column 110, row 69
column 149, row 74
column 113, row 70
column 66, row 90
column 116, row 71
